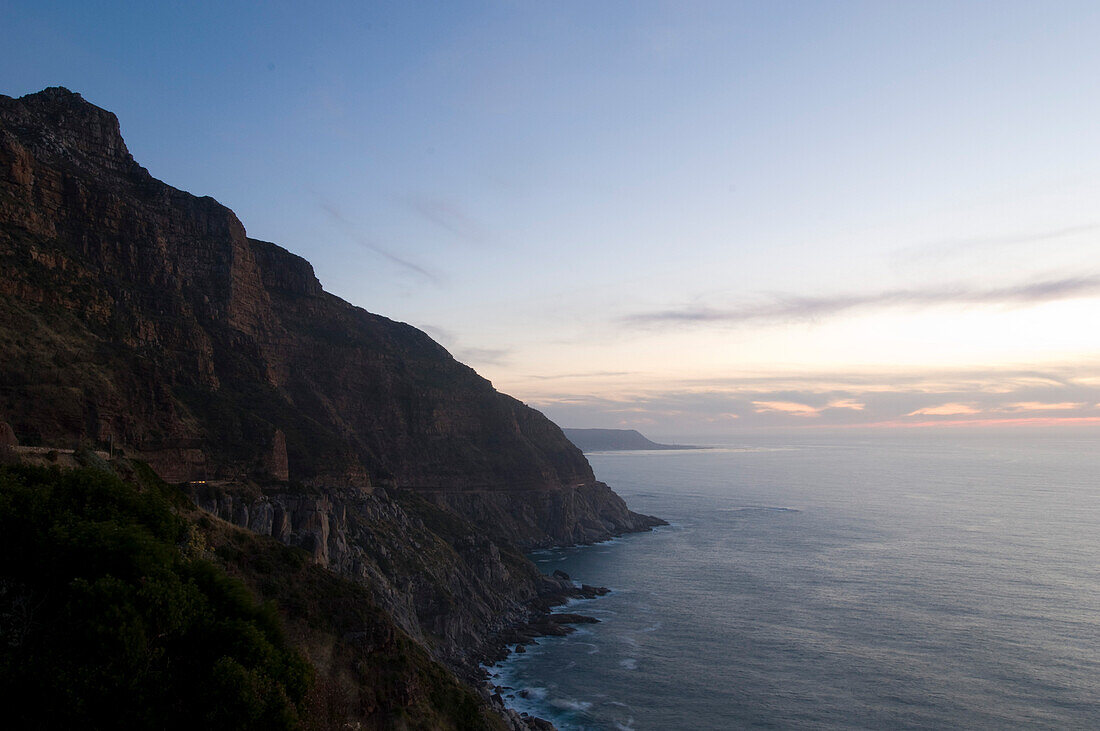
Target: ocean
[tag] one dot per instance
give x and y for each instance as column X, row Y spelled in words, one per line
column 909, row 580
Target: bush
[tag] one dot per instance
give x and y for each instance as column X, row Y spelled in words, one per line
column 108, row 624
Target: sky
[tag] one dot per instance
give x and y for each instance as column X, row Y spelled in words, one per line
column 685, row 218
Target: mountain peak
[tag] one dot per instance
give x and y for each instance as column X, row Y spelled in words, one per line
column 64, row 128
column 56, row 94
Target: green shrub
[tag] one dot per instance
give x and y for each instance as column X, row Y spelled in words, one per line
column 108, row 624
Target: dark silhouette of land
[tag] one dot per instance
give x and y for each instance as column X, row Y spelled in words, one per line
column 607, row 440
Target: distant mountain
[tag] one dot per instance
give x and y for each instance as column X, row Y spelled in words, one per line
column 605, row 440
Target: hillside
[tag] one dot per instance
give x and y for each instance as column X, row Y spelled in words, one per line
column 124, row 606
column 140, row 319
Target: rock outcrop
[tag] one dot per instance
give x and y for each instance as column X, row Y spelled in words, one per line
column 585, row 514
column 437, row 575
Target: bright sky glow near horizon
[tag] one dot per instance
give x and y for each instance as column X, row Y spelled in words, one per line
column 686, row 218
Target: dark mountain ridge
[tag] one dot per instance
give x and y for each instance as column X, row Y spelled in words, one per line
column 144, row 316
column 138, row 317
column 597, row 440
column 172, row 280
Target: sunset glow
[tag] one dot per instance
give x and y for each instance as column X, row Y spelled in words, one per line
column 871, row 213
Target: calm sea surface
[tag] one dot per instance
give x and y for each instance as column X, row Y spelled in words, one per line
column 908, row 581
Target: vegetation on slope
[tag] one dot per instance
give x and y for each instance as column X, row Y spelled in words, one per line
column 107, row 623
column 123, row 607
column 367, row 669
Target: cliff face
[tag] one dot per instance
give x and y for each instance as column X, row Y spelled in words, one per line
column 138, row 316
column 138, row 312
column 462, row 583
column 437, row 576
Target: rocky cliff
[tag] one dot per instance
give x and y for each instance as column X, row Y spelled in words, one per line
column 141, row 319
column 138, row 314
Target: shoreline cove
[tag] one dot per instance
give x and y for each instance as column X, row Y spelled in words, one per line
column 535, row 703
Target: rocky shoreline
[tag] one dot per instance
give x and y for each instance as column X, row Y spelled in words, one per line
column 547, row 623
column 508, row 606
column 327, row 527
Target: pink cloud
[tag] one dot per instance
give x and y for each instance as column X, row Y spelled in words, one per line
column 962, row 423
column 785, row 407
column 846, row 403
column 1040, row 406
column 945, row 410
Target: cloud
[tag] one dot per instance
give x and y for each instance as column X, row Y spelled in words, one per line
column 1034, row 421
column 941, row 249
column 785, row 407
column 1065, row 396
column 797, row 408
column 945, row 410
column 358, row 237
column 449, row 216
column 985, row 380
column 1040, row 406
column 793, row 307
column 585, row 374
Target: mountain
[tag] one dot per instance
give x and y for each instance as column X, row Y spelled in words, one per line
column 143, row 316
column 140, row 319
column 605, row 440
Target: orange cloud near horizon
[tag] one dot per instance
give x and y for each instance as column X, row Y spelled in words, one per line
column 1040, row 406
column 785, row 407
column 963, row 423
column 953, row 409
column 846, row 403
